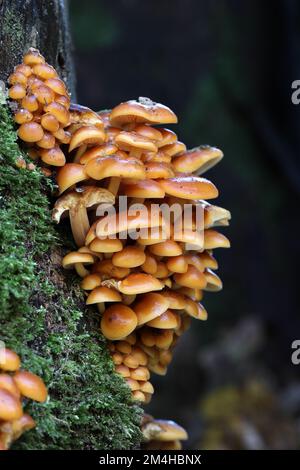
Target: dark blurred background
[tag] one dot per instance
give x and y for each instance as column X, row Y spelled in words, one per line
column 226, row 68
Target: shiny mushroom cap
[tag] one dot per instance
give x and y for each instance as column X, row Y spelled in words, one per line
column 69, row 174
column 129, row 257
column 103, row 294
column 191, row 278
column 118, row 321
column 151, row 305
column 189, row 187
column 75, row 257
column 87, row 135
column 139, row 283
column 132, row 140
column 214, row 239
column 166, row 248
column 197, row 160
column 167, row 320
column 113, row 165
column 31, row 386
column 10, row 406
column 142, row 111
column 144, row 189
column 9, row 360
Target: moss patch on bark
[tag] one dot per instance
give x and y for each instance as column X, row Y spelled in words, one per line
column 43, row 317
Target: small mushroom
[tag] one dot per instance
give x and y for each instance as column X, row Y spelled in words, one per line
column 106, row 245
column 53, row 156
column 197, row 160
column 78, row 260
column 139, row 283
column 91, row 281
column 150, row 306
column 10, row 406
column 166, row 248
column 30, row 132
column 129, row 257
column 69, row 174
column 189, row 187
column 175, row 299
column 192, row 278
column 31, row 386
column 167, row 320
column 214, row 283
column 177, row 264
column 142, row 111
column 102, row 294
column 9, row 360
column 77, row 204
column 214, row 239
column 87, row 135
column 118, row 321
column 143, row 189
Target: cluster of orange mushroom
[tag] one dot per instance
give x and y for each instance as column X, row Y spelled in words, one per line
column 145, row 277
column 16, row 386
column 146, row 286
column 43, row 106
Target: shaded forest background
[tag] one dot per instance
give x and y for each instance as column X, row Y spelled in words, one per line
column 225, row 67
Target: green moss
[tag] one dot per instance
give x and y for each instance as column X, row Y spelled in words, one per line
column 43, row 317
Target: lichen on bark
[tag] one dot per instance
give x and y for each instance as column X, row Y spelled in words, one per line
column 43, row 317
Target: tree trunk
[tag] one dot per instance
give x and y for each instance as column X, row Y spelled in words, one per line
column 40, row 24
column 43, row 316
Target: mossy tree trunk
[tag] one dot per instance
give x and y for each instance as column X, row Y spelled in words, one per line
column 43, row 316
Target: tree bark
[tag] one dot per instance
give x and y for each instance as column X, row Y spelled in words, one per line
column 40, row 24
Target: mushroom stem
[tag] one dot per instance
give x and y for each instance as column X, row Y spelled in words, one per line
column 80, row 224
column 79, row 153
column 114, row 184
column 101, row 307
column 81, row 270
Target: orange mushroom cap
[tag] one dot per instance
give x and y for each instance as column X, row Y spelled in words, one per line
column 113, row 165
column 192, row 278
column 98, row 151
column 31, row 386
column 167, row 320
column 139, row 283
column 189, row 187
column 10, row 361
column 214, row 239
column 157, row 170
column 129, row 257
column 166, row 248
column 143, row 189
column 151, row 305
column 118, row 321
column 10, row 406
column 87, row 135
column 197, row 160
column 142, row 111
column 69, row 174
column 103, row 294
